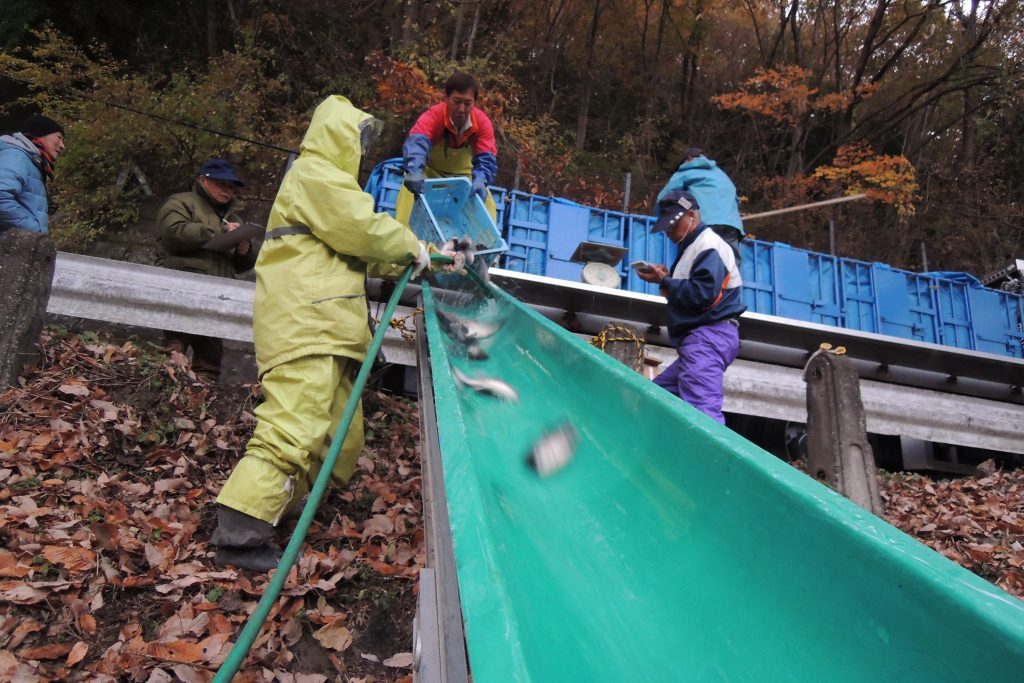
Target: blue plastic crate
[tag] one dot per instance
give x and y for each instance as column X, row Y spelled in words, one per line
column 954, row 313
column 384, row 184
column 500, row 196
column 543, row 232
column 645, row 246
column 906, row 304
column 758, row 276
column 792, row 283
column 995, row 318
column 527, row 233
column 447, row 208
column 857, row 287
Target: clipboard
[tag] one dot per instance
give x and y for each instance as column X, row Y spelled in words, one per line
column 229, row 240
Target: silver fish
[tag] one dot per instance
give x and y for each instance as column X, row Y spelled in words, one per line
column 464, row 330
column 487, row 385
column 476, row 352
column 554, row 450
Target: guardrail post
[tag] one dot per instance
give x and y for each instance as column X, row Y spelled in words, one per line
column 838, row 452
column 26, row 271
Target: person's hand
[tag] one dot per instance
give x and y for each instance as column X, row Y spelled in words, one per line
column 656, row 273
column 422, row 261
column 243, row 247
column 480, row 187
column 458, row 263
column 231, row 226
column 414, row 182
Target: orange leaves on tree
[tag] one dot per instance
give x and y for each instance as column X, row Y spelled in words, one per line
column 401, row 88
column 784, row 96
column 886, row 178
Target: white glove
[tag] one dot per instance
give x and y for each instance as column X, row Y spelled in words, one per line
column 422, row 261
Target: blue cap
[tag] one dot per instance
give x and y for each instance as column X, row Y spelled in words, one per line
column 672, row 207
column 219, row 169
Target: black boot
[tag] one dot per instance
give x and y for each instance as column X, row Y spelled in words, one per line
column 244, row 541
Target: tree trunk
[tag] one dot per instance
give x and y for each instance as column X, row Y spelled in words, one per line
column 460, row 21
column 588, row 80
column 472, row 30
column 211, row 30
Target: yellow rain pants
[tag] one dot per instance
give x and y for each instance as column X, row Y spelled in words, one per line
column 303, row 400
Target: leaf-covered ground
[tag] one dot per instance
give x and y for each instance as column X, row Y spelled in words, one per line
column 111, row 455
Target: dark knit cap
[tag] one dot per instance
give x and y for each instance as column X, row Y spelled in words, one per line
column 38, row 126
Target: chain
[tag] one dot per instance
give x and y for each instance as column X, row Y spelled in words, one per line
column 401, row 324
column 604, row 338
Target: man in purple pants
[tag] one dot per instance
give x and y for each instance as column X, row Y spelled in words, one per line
column 704, row 305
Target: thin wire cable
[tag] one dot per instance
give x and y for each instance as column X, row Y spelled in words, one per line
column 159, row 117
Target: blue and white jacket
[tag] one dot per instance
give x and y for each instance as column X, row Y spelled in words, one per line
column 715, row 193
column 704, row 284
column 23, row 201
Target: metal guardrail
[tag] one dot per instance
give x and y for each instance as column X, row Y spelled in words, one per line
column 145, row 296
column 158, row 298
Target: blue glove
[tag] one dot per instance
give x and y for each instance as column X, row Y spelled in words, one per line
column 414, row 182
column 480, row 187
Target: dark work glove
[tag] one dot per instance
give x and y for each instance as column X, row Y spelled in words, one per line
column 414, row 182
column 480, row 188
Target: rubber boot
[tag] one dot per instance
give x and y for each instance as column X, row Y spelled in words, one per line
column 244, row 541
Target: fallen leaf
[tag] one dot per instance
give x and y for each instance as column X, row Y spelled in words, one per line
column 23, row 595
column 192, row 674
column 77, row 654
column 334, row 636
column 74, row 559
column 52, row 651
column 9, row 565
column 73, row 389
column 402, row 660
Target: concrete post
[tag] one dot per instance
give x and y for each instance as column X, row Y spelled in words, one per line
column 838, row 452
column 26, row 273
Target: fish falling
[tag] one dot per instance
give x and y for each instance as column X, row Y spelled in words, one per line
column 487, row 385
column 553, row 451
column 464, row 330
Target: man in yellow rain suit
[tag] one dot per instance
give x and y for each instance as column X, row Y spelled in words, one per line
column 310, row 328
column 452, row 138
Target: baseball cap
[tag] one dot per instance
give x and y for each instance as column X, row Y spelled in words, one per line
column 671, row 208
column 219, row 169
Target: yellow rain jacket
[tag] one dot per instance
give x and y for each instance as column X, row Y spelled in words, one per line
column 310, row 314
column 310, row 296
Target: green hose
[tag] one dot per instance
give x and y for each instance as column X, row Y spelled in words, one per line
column 252, row 627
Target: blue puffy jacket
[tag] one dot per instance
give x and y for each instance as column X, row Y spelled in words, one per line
column 715, row 193
column 22, row 190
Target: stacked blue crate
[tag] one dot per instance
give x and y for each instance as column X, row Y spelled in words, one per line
column 526, row 232
column 906, row 303
column 806, row 286
column 645, row 246
column 995, row 321
column 857, row 286
column 954, row 313
column 544, row 232
column 758, row 272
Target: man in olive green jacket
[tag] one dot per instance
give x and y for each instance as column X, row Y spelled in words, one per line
column 310, row 329
column 188, row 220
